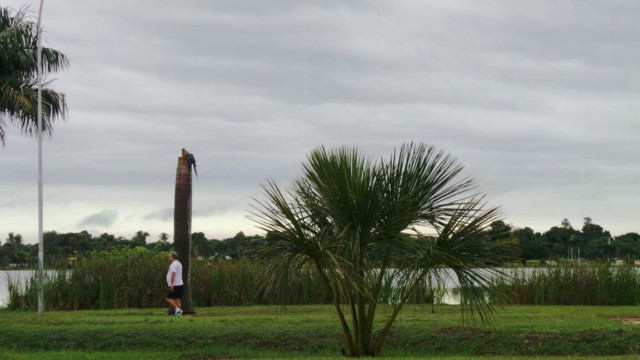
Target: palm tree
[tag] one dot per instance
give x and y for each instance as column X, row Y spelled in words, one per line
column 18, row 70
column 164, row 238
column 361, row 224
column 182, row 228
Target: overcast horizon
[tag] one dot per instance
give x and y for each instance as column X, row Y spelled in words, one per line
column 539, row 101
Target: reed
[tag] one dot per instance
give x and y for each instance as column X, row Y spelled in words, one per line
column 235, row 282
column 118, row 279
column 135, row 278
column 574, row 285
column 426, row 292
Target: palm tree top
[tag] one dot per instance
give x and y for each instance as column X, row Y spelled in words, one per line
column 18, row 74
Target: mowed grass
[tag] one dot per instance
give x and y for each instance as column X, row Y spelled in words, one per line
column 312, row 331
column 207, row 356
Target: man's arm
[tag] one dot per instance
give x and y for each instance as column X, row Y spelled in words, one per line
column 173, row 278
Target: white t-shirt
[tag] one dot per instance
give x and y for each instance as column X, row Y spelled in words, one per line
column 175, row 267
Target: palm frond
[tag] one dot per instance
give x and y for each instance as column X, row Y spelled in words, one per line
column 299, row 241
column 358, row 223
column 18, row 71
column 461, row 247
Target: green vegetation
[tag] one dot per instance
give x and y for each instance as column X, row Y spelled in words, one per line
column 362, row 224
column 591, row 242
column 574, row 285
column 135, row 278
column 63, row 249
column 146, row 355
column 558, row 244
column 117, row 279
column 311, row 331
column 18, row 80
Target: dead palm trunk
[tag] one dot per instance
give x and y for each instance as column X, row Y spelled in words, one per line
column 182, row 228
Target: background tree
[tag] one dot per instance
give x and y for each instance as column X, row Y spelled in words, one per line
column 501, row 243
column 596, row 241
column 627, row 246
column 560, row 240
column 200, row 244
column 18, row 72
column 360, row 223
column 164, row 238
column 14, row 251
column 104, row 242
column 531, row 244
column 140, row 238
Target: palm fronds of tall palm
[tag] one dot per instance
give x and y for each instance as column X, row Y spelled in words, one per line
column 18, row 75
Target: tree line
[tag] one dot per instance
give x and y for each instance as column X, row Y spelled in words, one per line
column 62, row 249
column 589, row 242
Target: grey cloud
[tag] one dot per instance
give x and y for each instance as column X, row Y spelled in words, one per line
column 104, row 218
column 539, row 105
column 271, row 55
column 165, row 214
column 204, row 211
column 208, row 211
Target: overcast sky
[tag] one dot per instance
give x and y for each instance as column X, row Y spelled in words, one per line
column 538, row 99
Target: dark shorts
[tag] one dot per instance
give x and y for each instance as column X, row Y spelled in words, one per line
column 176, row 293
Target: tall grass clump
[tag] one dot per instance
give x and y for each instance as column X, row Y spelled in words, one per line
column 124, row 278
column 230, row 283
column 135, row 278
column 574, row 285
column 426, row 292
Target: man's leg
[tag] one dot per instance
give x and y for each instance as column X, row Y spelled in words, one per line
column 178, row 307
column 172, row 303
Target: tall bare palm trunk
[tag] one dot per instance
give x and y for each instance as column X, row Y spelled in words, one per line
column 182, row 228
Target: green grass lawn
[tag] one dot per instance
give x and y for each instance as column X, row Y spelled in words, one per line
column 312, row 331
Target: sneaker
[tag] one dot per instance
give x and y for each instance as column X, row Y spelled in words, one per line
column 178, row 313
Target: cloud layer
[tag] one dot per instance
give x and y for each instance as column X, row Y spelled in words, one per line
column 538, row 99
column 104, row 218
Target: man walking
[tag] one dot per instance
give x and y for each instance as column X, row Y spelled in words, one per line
column 174, row 280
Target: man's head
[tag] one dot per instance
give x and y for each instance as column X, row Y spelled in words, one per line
column 173, row 256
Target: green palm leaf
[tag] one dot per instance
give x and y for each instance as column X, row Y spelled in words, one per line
column 18, row 71
column 362, row 224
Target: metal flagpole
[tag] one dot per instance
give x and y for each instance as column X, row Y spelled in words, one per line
column 40, row 217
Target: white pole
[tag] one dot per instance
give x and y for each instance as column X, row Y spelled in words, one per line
column 40, row 217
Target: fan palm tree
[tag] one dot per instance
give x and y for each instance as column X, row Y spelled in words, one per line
column 360, row 223
column 18, row 76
